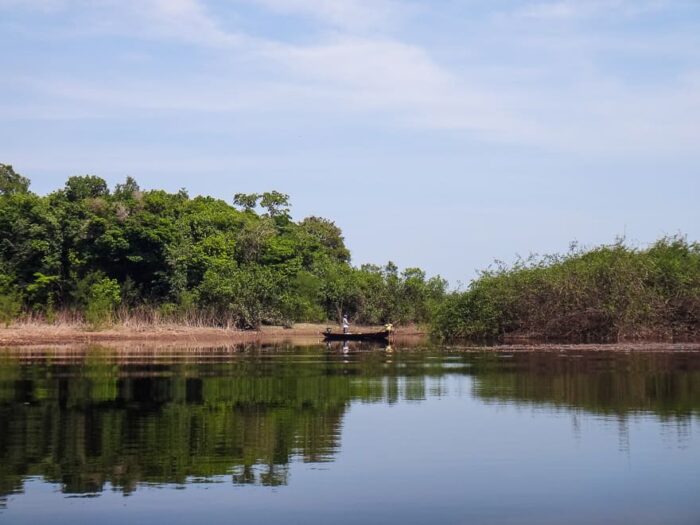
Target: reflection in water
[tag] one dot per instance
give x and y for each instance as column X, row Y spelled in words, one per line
column 100, row 417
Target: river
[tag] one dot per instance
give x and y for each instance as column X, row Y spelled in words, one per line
column 315, row 434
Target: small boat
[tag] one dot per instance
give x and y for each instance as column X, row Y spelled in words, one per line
column 382, row 335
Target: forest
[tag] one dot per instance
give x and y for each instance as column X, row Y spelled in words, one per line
column 88, row 253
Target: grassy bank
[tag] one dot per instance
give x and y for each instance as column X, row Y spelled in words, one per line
column 606, row 294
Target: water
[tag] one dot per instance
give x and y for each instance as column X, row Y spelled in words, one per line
column 315, row 435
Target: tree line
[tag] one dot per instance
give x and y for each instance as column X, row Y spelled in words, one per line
column 88, row 252
column 96, row 253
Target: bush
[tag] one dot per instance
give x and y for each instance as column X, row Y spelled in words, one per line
column 246, row 297
column 104, row 297
column 609, row 293
column 10, row 300
column 10, row 307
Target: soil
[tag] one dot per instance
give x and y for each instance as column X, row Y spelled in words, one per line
column 37, row 334
column 146, row 338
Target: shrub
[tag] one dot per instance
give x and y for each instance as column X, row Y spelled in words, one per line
column 10, row 300
column 104, row 297
column 608, row 293
column 10, row 307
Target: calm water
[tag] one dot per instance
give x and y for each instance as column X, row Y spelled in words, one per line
column 312, row 435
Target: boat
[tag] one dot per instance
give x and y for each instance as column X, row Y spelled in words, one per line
column 382, row 335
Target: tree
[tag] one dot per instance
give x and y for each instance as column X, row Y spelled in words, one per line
column 276, row 204
column 339, row 290
column 247, row 201
column 84, row 187
column 127, row 191
column 12, row 182
column 324, row 235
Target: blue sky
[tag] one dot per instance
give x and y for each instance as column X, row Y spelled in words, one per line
column 441, row 134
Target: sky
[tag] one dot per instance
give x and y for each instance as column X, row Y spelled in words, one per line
column 442, row 134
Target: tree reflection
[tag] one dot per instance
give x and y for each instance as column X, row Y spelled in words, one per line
column 102, row 420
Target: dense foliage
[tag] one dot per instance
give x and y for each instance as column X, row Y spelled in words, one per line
column 609, row 293
column 92, row 251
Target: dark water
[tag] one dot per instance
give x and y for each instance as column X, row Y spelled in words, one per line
column 310, row 435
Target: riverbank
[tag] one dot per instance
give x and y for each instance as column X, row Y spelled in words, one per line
column 157, row 340
column 46, row 334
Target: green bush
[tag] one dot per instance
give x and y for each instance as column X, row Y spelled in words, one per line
column 609, row 293
column 10, row 300
column 245, row 296
column 104, row 297
column 10, row 307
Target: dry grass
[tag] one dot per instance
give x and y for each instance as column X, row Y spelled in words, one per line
column 34, row 334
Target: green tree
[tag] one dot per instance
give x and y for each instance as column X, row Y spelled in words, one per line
column 247, row 201
column 323, row 236
column 87, row 186
column 12, row 182
column 276, row 203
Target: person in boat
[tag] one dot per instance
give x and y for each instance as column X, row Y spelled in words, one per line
column 346, row 325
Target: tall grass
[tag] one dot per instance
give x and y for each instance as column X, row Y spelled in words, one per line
column 133, row 318
column 606, row 294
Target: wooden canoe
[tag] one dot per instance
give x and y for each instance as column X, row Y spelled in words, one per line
column 382, row 335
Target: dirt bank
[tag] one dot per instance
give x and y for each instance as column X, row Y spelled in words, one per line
column 36, row 334
column 174, row 336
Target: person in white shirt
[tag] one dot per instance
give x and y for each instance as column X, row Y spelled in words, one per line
column 346, row 324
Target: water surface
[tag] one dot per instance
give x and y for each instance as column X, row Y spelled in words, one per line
column 317, row 435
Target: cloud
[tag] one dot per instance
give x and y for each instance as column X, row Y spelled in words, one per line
column 398, row 80
column 547, row 90
column 337, row 74
column 577, row 9
column 346, row 14
column 184, row 20
column 613, row 119
column 552, row 10
column 187, row 19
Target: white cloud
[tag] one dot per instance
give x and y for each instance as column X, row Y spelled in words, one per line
column 400, row 80
column 187, row 20
column 573, row 9
column 184, row 20
column 338, row 74
column 613, row 119
column 347, row 14
column 545, row 90
column 552, row 10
